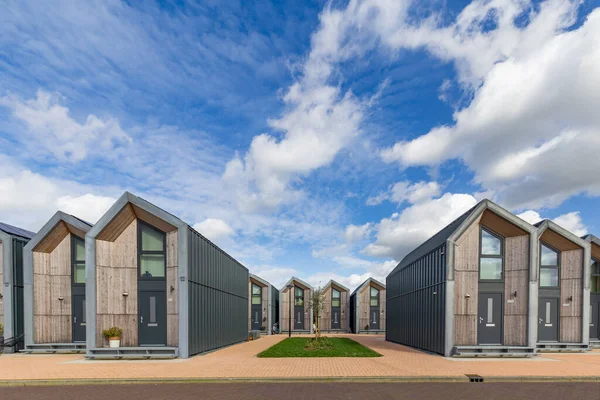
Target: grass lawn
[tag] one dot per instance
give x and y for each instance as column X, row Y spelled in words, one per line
column 330, row 347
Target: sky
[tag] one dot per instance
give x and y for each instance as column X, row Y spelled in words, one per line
column 323, row 140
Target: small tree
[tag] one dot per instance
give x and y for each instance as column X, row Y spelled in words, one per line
column 317, row 301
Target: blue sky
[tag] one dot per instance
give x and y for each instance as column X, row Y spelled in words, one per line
column 317, row 139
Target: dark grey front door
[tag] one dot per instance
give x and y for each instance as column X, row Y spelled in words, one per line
column 335, row 317
column 153, row 318
column 256, row 317
column 79, row 318
column 299, row 317
column 374, row 318
column 548, row 320
column 594, row 328
column 489, row 327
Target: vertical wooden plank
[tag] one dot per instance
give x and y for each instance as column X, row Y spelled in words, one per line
column 1, row 280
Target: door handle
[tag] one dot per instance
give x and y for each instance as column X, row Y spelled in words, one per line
column 480, row 319
column 141, row 319
column 74, row 320
column 541, row 320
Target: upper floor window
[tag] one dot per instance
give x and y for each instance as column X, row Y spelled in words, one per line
column 298, row 296
column 256, row 294
column 374, row 297
column 335, row 298
column 549, row 267
column 78, row 256
column 595, row 278
column 491, row 257
column 152, row 252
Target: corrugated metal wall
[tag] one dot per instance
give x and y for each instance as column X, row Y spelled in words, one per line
column 416, row 303
column 353, row 313
column 274, row 307
column 218, row 296
column 18, row 301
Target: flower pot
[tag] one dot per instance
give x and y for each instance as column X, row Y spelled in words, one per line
column 114, row 342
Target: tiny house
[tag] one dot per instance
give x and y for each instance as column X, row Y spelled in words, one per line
column 564, row 262
column 295, row 300
column 594, row 284
column 336, row 308
column 468, row 290
column 172, row 291
column 368, row 307
column 263, row 307
column 54, row 276
column 12, row 242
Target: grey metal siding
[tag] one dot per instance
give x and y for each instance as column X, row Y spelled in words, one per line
column 274, row 307
column 18, row 289
column 218, row 296
column 353, row 313
column 415, row 298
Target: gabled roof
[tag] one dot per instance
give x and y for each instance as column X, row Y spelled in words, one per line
column 546, row 224
column 591, row 239
column 300, row 281
column 74, row 224
column 14, row 231
column 457, row 227
column 259, row 279
column 339, row 285
column 368, row 281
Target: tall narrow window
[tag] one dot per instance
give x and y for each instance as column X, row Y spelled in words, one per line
column 549, row 269
column 152, row 252
column 335, row 298
column 256, row 294
column 298, row 296
column 374, row 297
column 78, row 256
column 595, row 276
column 491, row 257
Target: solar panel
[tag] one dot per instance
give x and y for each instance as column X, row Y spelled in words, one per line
column 13, row 230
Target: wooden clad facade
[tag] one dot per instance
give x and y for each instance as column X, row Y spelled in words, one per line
column 364, row 305
column 514, row 285
column 1, row 282
column 117, row 278
column 265, row 308
column 287, row 300
column 325, row 319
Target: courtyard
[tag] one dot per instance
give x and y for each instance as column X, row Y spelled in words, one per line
column 240, row 362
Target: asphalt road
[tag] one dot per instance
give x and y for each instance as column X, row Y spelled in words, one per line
column 312, row 391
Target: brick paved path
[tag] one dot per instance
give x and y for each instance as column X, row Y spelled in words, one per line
column 312, row 391
column 239, row 361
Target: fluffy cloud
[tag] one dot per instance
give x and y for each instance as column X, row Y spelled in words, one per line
column 403, row 231
column 49, row 125
column 374, row 270
column 28, row 199
column 356, row 233
column 534, row 110
column 405, row 191
column 570, row 221
column 276, row 276
column 215, row 229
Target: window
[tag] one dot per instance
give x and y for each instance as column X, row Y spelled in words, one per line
column 298, row 296
column 374, row 297
column 335, row 298
column 152, row 252
column 549, row 267
column 491, row 258
column 595, row 278
column 78, row 256
column 256, row 294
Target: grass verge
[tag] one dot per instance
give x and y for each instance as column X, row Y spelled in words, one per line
column 327, row 347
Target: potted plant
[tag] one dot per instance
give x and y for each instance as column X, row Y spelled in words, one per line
column 366, row 327
column 263, row 328
column 113, row 335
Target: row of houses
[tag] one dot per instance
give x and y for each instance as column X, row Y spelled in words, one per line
column 171, row 291
column 491, row 284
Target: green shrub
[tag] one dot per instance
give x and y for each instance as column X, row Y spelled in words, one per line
column 112, row 332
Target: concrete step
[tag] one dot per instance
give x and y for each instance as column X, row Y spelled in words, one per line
column 493, row 351
column 132, row 353
column 562, row 347
column 54, row 348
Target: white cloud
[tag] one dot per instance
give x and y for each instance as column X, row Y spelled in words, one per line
column 375, row 270
column 276, row 276
column 214, row 229
column 403, row 231
column 28, row 200
column 49, row 125
column 531, row 131
column 406, row 191
column 356, row 233
column 570, row 221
